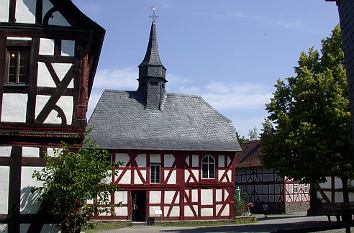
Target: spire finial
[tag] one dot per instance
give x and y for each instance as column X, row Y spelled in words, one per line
column 154, row 16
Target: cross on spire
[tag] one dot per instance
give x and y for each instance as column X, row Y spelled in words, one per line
column 154, row 16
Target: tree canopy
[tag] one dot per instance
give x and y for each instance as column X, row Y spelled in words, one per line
column 70, row 179
column 307, row 134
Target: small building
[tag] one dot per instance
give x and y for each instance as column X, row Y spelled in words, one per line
column 49, row 52
column 178, row 151
column 263, row 186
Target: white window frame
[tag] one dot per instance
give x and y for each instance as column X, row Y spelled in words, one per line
column 210, row 161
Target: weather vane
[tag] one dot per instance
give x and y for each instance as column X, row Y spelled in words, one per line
column 154, row 16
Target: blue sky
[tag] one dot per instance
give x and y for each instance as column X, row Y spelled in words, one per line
column 230, row 52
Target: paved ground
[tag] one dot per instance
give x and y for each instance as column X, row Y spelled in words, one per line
column 271, row 224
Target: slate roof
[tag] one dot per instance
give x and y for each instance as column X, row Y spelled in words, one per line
column 187, row 122
column 249, row 156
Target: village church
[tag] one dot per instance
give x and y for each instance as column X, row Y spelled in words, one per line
column 178, row 151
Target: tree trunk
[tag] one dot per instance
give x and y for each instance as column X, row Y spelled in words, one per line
column 315, row 203
column 347, row 218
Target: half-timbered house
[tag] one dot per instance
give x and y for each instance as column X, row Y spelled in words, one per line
column 178, row 151
column 49, row 52
column 263, row 186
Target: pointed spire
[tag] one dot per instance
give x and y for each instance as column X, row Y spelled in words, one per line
column 152, row 73
column 152, row 56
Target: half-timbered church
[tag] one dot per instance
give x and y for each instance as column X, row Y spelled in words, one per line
column 49, row 52
column 178, row 151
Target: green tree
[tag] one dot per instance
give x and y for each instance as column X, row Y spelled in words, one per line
column 308, row 132
column 253, row 134
column 70, row 179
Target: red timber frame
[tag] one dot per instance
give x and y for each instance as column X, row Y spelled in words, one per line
column 88, row 37
column 179, row 191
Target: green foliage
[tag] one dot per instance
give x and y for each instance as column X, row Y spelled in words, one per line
column 240, row 202
column 307, row 135
column 253, row 134
column 71, row 178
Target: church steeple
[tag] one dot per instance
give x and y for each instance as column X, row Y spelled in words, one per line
column 152, row 73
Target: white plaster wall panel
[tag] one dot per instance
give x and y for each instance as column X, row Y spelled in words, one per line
column 186, row 175
column 4, row 189
column 169, row 159
column 220, row 173
column 175, row 211
column 229, row 175
column 4, row 10
column 14, row 107
column 206, row 212
column 221, row 160
column 155, row 197
column 226, row 211
column 49, row 228
column 172, row 179
column 226, row 194
column 47, row 5
column 54, row 152
column 196, row 173
column 228, row 161
column 155, row 158
column 25, row 11
column 67, row 48
column 122, row 157
column 217, row 209
column 195, row 160
column 153, row 209
column 107, row 180
column 187, row 161
column 338, row 183
column 141, row 160
column 19, row 38
column 65, row 103
column 169, row 197
column 121, row 211
column 207, row 196
column 219, row 195
column 32, row 152
column 61, row 69
column 351, row 197
column 3, row 228
column 121, row 197
column 24, row 228
column 126, row 179
column 46, row 47
column 338, row 197
column 287, row 198
column 188, row 212
column 195, row 197
column 5, row 151
column 89, row 201
column 29, row 203
column 137, row 179
column 58, row 20
column 44, row 78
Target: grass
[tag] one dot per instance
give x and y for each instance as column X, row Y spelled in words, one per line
column 105, row 226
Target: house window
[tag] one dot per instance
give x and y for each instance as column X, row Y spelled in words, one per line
column 155, row 173
column 17, row 64
column 208, row 167
column 296, row 188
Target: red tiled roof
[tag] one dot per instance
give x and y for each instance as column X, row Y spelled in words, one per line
column 249, row 156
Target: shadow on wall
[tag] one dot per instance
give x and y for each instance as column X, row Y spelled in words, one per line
column 29, row 203
column 31, row 6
